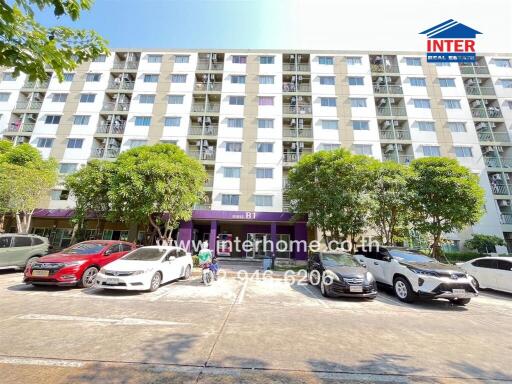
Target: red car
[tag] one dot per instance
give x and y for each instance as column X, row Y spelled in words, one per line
column 77, row 265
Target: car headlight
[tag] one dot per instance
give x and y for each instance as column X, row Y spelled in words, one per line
column 369, row 277
column 73, row 263
column 102, row 270
column 141, row 272
column 423, row 272
column 331, row 275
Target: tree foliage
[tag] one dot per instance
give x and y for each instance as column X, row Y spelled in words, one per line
column 28, row 46
column 484, row 243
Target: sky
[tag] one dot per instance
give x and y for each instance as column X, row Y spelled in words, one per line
column 290, row 24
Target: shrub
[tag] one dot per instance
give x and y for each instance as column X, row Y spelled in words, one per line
column 456, row 257
column 195, row 260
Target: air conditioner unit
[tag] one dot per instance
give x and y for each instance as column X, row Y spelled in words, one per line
column 476, row 103
column 504, row 203
column 389, row 148
column 294, row 145
column 399, row 148
column 480, row 126
column 292, row 58
column 492, row 125
column 392, row 100
column 395, row 123
column 382, row 102
column 301, row 145
column 499, row 149
column 380, row 80
column 300, row 78
column 488, row 149
column 486, row 102
column 479, row 81
column 387, row 124
column 470, row 82
column 388, row 79
column 292, row 122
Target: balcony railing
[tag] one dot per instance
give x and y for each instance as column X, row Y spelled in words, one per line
column 381, row 68
column 126, row 65
column 297, row 109
column 31, row 105
column 213, row 108
column 206, row 154
column 113, row 106
column 402, row 159
column 209, row 130
column 36, row 84
column 489, row 113
column 105, row 153
column 501, row 189
column 111, row 128
column 22, row 128
column 497, row 162
column 297, row 133
column 506, row 218
column 390, row 89
column 206, row 65
column 395, row 135
column 292, row 87
column 209, row 182
column 391, row 111
column 202, row 207
column 293, row 156
column 474, row 69
column 125, row 85
column 474, row 90
column 292, row 67
column 208, row 87
column 494, row 136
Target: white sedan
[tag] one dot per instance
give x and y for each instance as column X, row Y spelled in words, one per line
column 146, row 268
column 491, row 272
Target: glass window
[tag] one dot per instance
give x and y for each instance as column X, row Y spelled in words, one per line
column 230, row 199
column 506, row 83
column 59, row 97
column 75, row 143
column 447, row 82
column 93, row 77
column 452, row 104
column 266, row 79
column 457, row 126
column 236, row 100
column 339, row 259
column 442, row 64
column 504, row 265
column 87, row 97
column 327, row 80
column 463, row 152
column 266, row 59
column 181, row 59
column 100, row 59
column 69, row 76
column 52, row 119
column 154, row 58
column 360, row 125
column 329, row 146
column 362, row 149
column 67, row 168
column 414, row 61
column 5, row 241
column 329, row 124
column 179, row 78
column 421, row 103
column 237, row 79
column 263, row 200
column 431, row 150
column 22, row 241
column 235, row 123
column 239, row 59
column 408, row 256
column 326, row 60
column 354, row 60
column 231, row 172
column 8, row 76
column 264, row 173
column 265, row 147
column 356, row 80
column 44, row 142
column 328, row 101
column 137, row 143
column 59, row 195
column 357, row 102
column 426, row 126
column 485, row 263
column 265, row 123
column 147, row 99
column 4, row 96
column 146, row 254
column 418, row 82
column 175, row 99
column 81, row 119
column 151, row 78
column 143, row 121
column 172, row 121
column 233, row 146
column 504, row 63
column 266, row 100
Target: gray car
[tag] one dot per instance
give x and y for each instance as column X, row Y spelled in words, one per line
column 17, row 250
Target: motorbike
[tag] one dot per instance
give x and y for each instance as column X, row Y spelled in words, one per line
column 209, row 272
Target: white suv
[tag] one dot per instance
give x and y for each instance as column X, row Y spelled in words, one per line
column 412, row 274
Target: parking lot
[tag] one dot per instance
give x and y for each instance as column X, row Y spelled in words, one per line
column 244, row 331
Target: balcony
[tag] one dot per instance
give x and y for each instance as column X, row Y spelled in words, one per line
column 402, row 159
column 211, row 108
column 209, row 181
column 381, row 68
column 202, row 207
column 20, row 128
column 208, row 87
column 113, row 106
column 297, row 133
column 197, row 130
column 391, row 111
column 395, row 135
column 110, row 153
column 35, row 84
column 293, row 157
column 129, row 65
column 29, row 105
column 485, row 91
column 111, row 128
column 501, row 189
column 297, row 109
column 498, row 162
column 474, row 70
column 389, row 89
column 494, row 136
column 205, row 65
column 292, row 67
column 206, row 155
column 292, row 87
column 489, row 113
column 124, row 85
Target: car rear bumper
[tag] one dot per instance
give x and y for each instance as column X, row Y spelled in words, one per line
column 129, row 283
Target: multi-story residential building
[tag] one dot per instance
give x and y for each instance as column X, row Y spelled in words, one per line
column 249, row 116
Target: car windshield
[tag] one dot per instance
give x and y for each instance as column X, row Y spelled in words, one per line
column 85, row 248
column 146, row 254
column 409, row 256
column 339, row 259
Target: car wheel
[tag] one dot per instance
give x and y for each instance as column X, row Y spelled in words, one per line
column 323, row 289
column 313, row 278
column 476, row 283
column 32, row 260
column 88, row 277
column 460, row 301
column 156, row 280
column 403, row 290
column 187, row 274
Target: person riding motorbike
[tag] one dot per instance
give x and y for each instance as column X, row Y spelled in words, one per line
column 207, row 260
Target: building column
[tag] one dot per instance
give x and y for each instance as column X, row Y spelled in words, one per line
column 273, row 238
column 212, row 241
column 300, row 235
column 185, row 235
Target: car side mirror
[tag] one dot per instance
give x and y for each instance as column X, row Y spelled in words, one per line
column 172, row 258
column 107, row 252
column 363, row 265
column 386, row 258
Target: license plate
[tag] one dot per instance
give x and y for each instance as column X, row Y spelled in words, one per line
column 356, row 288
column 459, row 291
column 112, row 281
column 40, row 272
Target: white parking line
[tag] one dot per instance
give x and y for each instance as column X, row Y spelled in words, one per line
column 240, row 298
column 123, row 321
column 317, row 299
column 42, row 362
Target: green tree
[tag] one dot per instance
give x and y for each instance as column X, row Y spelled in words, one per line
column 333, row 189
column 445, row 197
column 28, row 46
column 25, row 179
column 390, row 208
column 158, row 184
column 484, row 243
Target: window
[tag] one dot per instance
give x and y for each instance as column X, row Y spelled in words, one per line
column 264, row 173
column 175, row 99
column 4, row 96
column 421, row 103
column 144, row 121
column 52, row 119
column 137, row 143
column 329, row 146
column 69, row 76
column 457, row 126
column 356, row 80
column 154, row 58
column 22, row 241
column 414, row 61
column 327, row 80
column 151, row 78
column 8, row 76
column 100, row 59
column 266, row 79
column 93, row 77
column 233, row 146
column 485, row 263
column 506, row 83
column 328, row 101
column 87, row 97
column 75, row 143
column 179, row 78
column 265, row 147
column 329, row 124
column 354, row 60
column 230, row 199
column 231, row 172
column 67, row 168
column 363, row 149
column 357, row 102
column 418, row 82
column 5, row 241
column 447, row 82
column 426, row 126
column 265, row 123
column 431, row 150
column 263, row 200
column 44, row 142
column 58, row 194
column 442, row 64
column 266, row 59
column 463, row 152
column 266, row 100
column 360, row 125
column 326, row 60
column 239, row 59
column 504, row 63
column 503, row 265
column 181, row 59
column 452, row 104
column 237, row 79
column 172, row 121
column 59, row 97
column 236, row 100
column 175, row 142
column 235, row 123
column 146, row 99
column 81, row 119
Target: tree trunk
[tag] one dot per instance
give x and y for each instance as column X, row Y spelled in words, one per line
column 436, row 248
column 2, row 222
